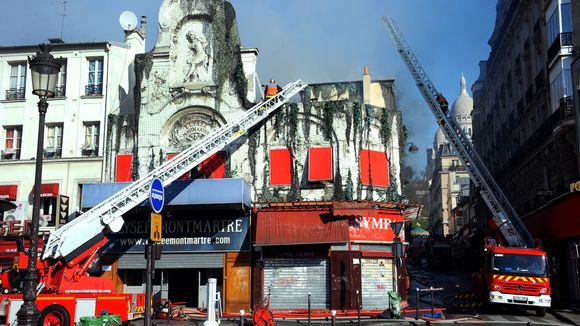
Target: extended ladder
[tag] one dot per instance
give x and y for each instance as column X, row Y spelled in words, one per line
column 75, row 234
column 504, row 215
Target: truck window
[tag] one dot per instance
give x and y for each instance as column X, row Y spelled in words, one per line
column 518, row 264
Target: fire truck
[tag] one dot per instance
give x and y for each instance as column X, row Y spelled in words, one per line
column 69, row 285
column 509, row 274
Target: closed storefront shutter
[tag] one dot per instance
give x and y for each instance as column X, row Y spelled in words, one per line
column 377, row 280
column 290, row 280
column 173, row 261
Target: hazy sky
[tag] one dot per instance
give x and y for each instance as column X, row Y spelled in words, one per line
column 312, row 40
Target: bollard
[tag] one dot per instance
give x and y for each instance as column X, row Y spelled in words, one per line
column 211, row 300
column 432, row 303
column 357, row 309
column 242, row 313
column 309, row 297
column 333, row 320
column 417, row 310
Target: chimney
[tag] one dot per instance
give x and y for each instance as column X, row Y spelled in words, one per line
column 143, row 25
column 366, row 79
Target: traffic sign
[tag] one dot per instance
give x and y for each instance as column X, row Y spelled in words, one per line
column 156, row 227
column 156, row 195
column 62, row 209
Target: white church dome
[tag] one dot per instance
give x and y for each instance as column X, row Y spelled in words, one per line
column 463, row 105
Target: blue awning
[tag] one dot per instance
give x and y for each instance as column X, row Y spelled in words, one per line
column 228, row 192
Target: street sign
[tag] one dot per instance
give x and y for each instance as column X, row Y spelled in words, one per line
column 156, row 195
column 397, row 248
column 62, row 209
column 156, row 227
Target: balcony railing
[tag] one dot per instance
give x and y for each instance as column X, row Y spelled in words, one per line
column 563, row 39
column 15, row 93
column 94, row 89
column 10, row 154
column 89, row 150
column 51, row 152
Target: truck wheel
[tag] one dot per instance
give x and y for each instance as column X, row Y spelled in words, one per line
column 541, row 312
column 54, row 316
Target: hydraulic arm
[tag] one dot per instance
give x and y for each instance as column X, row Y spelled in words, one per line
column 74, row 237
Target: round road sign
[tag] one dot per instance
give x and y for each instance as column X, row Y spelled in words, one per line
column 156, row 195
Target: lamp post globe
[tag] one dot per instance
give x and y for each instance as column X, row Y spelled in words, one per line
column 44, row 73
column 413, row 149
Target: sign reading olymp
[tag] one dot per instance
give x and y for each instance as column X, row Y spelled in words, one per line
column 156, row 195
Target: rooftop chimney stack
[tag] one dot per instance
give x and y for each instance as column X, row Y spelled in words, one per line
column 143, row 25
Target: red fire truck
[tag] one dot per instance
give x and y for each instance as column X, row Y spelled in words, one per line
column 67, row 288
column 516, row 276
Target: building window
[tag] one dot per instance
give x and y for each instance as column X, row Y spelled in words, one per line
column 95, row 84
column 91, row 145
column 374, row 168
column 280, row 167
column 320, row 164
column 53, row 147
column 60, row 90
column 214, row 167
column 12, row 143
column 17, row 81
column 553, row 27
column 560, row 87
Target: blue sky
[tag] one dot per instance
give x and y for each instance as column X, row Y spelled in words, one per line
column 312, row 40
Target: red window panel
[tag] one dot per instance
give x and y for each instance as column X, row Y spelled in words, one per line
column 320, row 164
column 124, row 168
column 280, row 167
column 214, row 167
column 374, row 167
column 186, row 175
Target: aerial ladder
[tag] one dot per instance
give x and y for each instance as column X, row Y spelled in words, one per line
column 504, row 215
column 86, row 230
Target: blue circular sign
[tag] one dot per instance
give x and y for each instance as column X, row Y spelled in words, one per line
column 156, row 195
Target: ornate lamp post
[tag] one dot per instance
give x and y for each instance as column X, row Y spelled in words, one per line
column 44, row 72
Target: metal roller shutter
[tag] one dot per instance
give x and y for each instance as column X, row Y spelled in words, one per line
column 173, row 261
column 377, row 280
column 291, row 280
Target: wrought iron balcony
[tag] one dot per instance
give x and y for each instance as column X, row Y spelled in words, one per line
column 94, row 89
column 563, row 39
column 10, row 154
column 15, row 93
column 52, row 152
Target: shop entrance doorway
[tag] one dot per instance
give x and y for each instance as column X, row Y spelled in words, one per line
column 190, row 285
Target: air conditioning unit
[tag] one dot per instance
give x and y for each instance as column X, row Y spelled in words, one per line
column 20, row 213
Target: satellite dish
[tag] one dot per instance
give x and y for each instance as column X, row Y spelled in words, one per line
column 128, row 21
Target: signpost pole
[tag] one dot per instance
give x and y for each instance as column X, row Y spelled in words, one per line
column 148, row 285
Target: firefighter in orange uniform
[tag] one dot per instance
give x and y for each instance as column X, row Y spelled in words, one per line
column 271, row 89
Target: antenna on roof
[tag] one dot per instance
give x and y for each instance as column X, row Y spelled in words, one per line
column 63, row 15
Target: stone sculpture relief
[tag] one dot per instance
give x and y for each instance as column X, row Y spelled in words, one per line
column 187, row 128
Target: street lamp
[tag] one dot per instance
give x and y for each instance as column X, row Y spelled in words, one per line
column 44, row 73
column 413, row 149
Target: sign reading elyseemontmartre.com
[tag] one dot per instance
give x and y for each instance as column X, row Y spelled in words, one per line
column 182, row 235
